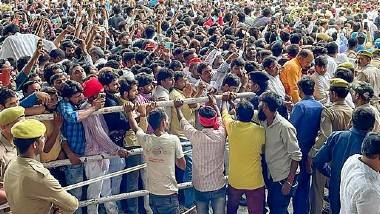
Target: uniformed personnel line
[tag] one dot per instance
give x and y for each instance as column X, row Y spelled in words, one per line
column 168, row 103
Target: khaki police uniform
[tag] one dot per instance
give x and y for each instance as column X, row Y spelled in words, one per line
column 336, row 117
column 29, row 186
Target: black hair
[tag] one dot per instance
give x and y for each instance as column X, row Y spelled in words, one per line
column 363, row 118
column 244, row 111
column 69, row 88
column 106, row 77
column 10, row 29
column 178, row 75
column 237, row 62
column 231, row 80
column 128, row 56
column 345, row 74
column 352, row 43
column 276, row 49
column 149, row 32
column 49, row 71
column 292, row 50
column 6, row 93
column 332, row 48
column 268, row 61
column 371, row 145
column 321, row 61
column 174, row 64
column 126, row 85
column 141, row 55
column 272, row 100
column 164, row 74
column 155, row 118
column 113, row 64
column 285, row 36
column 26, row 85
column 201, row 67
column 295, row 38
column 143, row 79
column 306, row 84
column 207, row 112
column 22, row 62
column 23, row 145
column 340, row 92
column 57, row 53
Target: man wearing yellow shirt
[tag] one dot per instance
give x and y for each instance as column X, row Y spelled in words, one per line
column 246, row 141
column 182, row 91
column 293, row 71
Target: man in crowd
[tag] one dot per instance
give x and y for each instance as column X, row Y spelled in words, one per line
column 305, row 117
column 359, row 188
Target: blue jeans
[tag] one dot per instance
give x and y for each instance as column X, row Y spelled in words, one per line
column 301, row 202
column 277, row 202
column 73, row 175
column 132, row 183
column 164, row 204
column 217, row 199
column 187, row 175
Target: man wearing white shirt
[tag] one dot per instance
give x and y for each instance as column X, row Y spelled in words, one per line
column 271, row 66
column 332, row 51
column 360, row 183
column 321, row 79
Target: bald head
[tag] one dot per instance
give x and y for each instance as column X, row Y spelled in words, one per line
column 305, row 57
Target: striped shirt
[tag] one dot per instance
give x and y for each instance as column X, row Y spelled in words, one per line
column 208, row 156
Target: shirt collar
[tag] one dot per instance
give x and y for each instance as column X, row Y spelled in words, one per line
column 308, row 97
column 340, row 102
column 7, row 144
column 371, row 172
column 358, row 131
column 161, row 88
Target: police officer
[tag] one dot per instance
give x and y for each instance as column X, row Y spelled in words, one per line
column 8, row 152
column 30, row 188
column 370, row 74
column 336, row 117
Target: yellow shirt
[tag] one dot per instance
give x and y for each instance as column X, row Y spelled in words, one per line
column 188, row 113
column 31, row 189
column 56, row 149
column 246, row 141
column 290, row 76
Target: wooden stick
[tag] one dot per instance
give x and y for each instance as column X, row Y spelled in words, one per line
column 168, row 103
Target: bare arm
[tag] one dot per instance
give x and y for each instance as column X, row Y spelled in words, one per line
column 181, row 163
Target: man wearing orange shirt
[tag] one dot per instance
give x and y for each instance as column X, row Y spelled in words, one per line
column 293, row 71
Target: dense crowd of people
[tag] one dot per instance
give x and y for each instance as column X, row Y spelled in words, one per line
column 309, row 135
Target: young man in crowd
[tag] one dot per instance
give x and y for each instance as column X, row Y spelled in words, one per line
column 359, row 188
column 208, row 150
column 72, row 130
column 305, row 117
column 282, row 153
column 162, row 152
column 246, row 142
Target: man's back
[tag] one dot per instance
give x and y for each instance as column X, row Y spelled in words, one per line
column 30, row 188
column 160, row 154
column 359, row 188
column 246, row 141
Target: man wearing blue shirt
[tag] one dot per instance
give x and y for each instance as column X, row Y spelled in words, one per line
column 339, row 146
column 305, row 117
column 73, row 132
